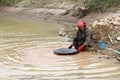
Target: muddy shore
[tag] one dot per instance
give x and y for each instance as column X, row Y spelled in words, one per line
column 57, row 12
column 64, row 12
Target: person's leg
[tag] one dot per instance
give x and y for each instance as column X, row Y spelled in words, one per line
column 75, row 43
column 78, row 42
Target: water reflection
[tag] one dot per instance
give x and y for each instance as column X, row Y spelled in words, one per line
column 26, row 53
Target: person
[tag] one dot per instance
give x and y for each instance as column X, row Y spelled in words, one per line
column 83, row 38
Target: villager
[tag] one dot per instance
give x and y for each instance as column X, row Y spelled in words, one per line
column 83, row 38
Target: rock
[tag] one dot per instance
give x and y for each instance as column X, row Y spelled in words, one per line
column 118, row 38
column 62, row 32
column 108, row 25
column 113, row 20
column 76, row 11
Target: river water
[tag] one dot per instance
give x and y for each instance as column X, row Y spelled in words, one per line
column 26, row 53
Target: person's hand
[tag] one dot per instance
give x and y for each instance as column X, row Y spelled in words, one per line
column 84, row 44
column 70, row 46
column 80, row 48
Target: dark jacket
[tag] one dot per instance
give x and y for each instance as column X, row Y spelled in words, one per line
column 84, row 36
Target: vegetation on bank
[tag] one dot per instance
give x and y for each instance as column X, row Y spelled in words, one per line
column 93, row 5
column 8, row 2
column 100, row 5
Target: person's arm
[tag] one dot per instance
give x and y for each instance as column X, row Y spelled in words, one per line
column 70, row 46
column 88, row 36
column 81, row 47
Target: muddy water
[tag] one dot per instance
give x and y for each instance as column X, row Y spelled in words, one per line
column 26, row 53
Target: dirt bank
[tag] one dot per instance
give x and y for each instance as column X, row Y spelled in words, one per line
column 69, row 12
column 65, row 11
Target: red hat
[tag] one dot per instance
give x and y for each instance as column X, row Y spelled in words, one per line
column 81, row 23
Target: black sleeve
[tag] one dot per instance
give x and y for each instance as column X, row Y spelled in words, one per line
column 77, row 34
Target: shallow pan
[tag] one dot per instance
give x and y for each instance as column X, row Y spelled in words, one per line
column 65, row 51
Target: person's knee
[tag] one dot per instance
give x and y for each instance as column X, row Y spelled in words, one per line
column 75, row 44
column 75, row 40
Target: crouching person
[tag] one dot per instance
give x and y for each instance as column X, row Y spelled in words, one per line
column 83, row 38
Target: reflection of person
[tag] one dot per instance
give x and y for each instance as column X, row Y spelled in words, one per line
column 83, row 37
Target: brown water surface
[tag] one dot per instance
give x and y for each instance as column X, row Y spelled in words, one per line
column 26, row 53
